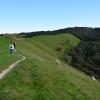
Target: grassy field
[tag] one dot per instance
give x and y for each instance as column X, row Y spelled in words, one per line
column 40, row 78
column 5, row 58
column 50, row 43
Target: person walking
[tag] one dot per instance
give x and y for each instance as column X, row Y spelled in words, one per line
column 14, row 45
column 11, row 48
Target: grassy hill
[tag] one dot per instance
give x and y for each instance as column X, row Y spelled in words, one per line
column 50, row 43
column 5, row 58
column 40, row 78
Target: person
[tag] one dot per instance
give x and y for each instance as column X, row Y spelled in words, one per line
column 14, row 45
column 11, row 48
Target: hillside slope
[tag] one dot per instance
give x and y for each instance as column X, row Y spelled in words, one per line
column 86, row 56
column 5, row 57
column 40, row 78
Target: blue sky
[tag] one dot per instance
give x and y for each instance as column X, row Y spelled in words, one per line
column 34, row 15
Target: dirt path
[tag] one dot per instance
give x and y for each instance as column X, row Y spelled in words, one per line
column 4, row 72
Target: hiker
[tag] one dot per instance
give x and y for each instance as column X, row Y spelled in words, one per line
column 14, row 45
column 11, row 48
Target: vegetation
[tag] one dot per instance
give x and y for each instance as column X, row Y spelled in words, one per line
column 86, row 56
column 40, row 78
column 5, row 57
column 84, row 33
column 56, row 43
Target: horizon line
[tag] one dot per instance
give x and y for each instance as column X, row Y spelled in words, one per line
column 47, row 30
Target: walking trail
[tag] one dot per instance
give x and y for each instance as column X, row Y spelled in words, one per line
column 4, row 72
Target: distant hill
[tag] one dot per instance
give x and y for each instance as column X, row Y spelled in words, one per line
column 86, row 56
column 84, row 33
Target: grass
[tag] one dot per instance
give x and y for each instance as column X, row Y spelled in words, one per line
column 39, row 78
column 52, row 42
column 5, row 58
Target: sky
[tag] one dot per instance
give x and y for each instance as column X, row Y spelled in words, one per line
column 38, row 15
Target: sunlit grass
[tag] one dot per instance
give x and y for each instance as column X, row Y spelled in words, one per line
column 40, row 78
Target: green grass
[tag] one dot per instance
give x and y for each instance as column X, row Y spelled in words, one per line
column 39, row 78
column 49, row 43
column 5, row 58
